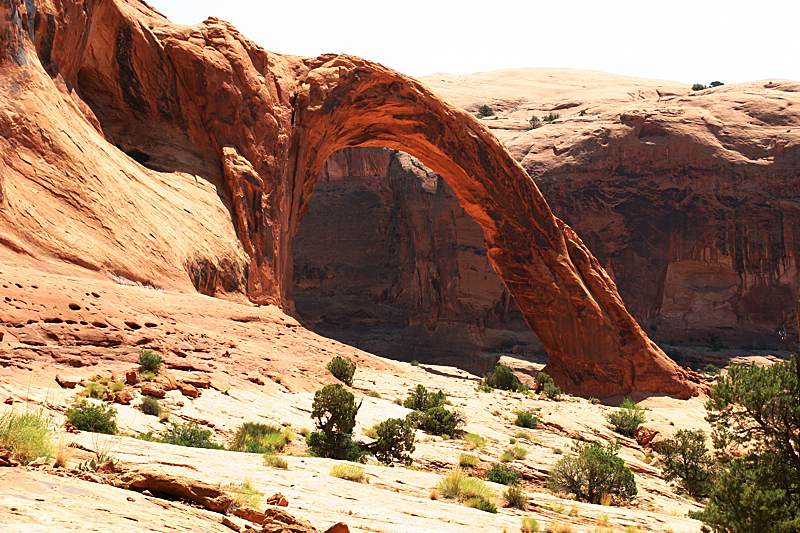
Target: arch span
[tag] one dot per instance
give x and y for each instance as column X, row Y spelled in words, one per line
column 205, row 99
column 595, row 346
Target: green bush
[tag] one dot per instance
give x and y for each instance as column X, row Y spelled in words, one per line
column 716, row 83
column 458, row 485
column 395, row 441
column 422, row 400
column 699, row 87
column 685, row 457
column 526, row 419
column 348, row 472
column 594, row 472
column 485, row 111
column 26, row 435
column 467, row 460
column 253, row 437
column 334, row 410
column 534, row 122
column 149, row 362
column 516, row 497
column 474, row 441
column 755, row 414
column 550, row 117
column 96, row 418
column 501, row 377
column 529, row 525
column 711, row 370
column 343, row 369
column 438, row 421
column 189, row 434
column 500, row 473
column 95, row 390
column 546, row 386
column 627, row 418
column 481, row 505
column 150, row 406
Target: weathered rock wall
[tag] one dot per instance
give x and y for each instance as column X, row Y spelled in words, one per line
column 387, row 259
column 688, row 199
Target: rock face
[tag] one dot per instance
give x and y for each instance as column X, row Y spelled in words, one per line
column 688, row 199
column 387, row 260
column 79, row 78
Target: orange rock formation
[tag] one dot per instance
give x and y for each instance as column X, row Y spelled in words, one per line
column 204, row 122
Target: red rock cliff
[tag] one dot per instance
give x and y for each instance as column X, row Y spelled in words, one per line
column 186, row 101
column 689, row 199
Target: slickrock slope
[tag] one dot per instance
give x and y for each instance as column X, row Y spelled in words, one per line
column 386, row 259
column 252, row 364
column 204, row 103
column 688, row 199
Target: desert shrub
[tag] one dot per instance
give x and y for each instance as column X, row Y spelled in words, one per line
column 189, row 434
column 26, row 435
column 94, row 390
column 485, row 111
column 547, row 386
column 516, row 497
column 117, row 386
column 422, row 400
column 550, row 117
column 500, row 473
column 437, row 421
column 349, row 472
column 699, row 87
column 627, row 418
column 685, row 457
column 593, row 472
column 501, row 377
column 394, row 442
column 481, row 505
column 467, row 460
column 519, row 452
column 150, row 406
column 342, row 368
column 94, row 417
column 473, row 441
column 716, row 83
column 414, row 363
column 593, row 400
column 253, row 437
column 275, row 461
column 149, row 362
column 526, row 419
column 534, row 122
column 755, row 412
column 334, row 410
column 459, row 486
column 246, row 495
column 711, row 370
column 529, row 525
column 522, row 435
column 557, row 527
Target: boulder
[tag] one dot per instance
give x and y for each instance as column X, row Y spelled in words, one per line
column 67, row 382
column 152, row 389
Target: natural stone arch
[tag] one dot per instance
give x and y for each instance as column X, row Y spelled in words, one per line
column 595, row 346
column 263, row 124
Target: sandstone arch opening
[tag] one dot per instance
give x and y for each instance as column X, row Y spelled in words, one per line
column 387, row 260
column 595, row 347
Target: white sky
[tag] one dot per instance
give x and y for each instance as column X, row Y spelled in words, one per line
column 681, row 40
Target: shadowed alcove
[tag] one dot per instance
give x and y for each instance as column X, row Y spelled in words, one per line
column 387, row 260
